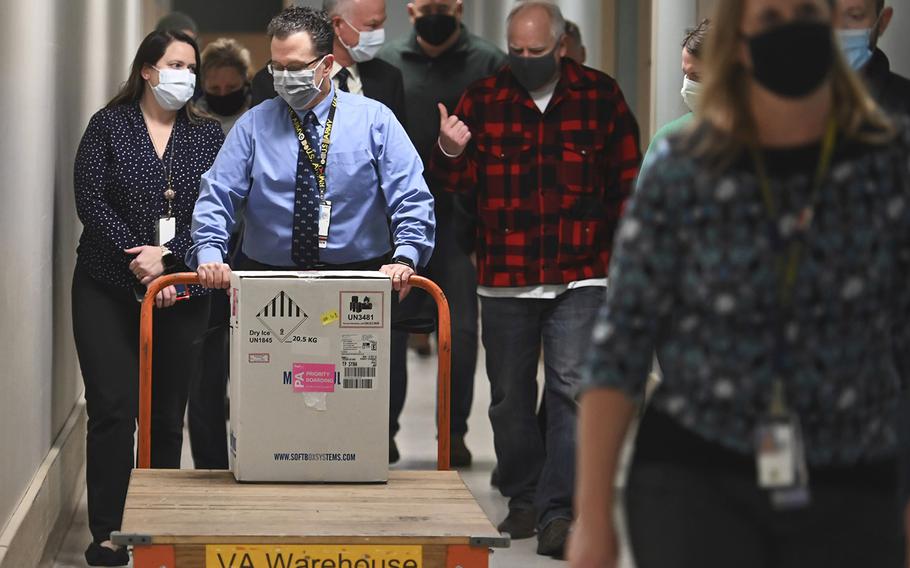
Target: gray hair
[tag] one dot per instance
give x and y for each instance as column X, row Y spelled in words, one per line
column 557, row 21
column 314, row 22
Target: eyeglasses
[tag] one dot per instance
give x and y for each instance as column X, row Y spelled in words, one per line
column 278, row 68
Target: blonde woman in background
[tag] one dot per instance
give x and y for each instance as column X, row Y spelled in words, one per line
column 226, row 73
column 766, row 259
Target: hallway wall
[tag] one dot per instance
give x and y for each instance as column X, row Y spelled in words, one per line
column 63, row 61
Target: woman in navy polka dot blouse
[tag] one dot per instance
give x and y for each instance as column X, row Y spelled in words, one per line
column 136, row 180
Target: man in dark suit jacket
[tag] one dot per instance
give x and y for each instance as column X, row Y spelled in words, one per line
column 359, row 33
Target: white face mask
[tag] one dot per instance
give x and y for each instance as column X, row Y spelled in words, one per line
column 368, row 46
column 175, row 87
column 298, row 88
column 690, row 92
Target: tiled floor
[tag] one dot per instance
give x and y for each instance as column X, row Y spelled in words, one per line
column 418, row 451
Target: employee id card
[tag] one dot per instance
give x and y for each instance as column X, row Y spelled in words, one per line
column 325, row 219
column 167, row 230
column 781, row 461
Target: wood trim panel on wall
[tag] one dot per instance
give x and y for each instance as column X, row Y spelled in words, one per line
column 705, row 8
column 608, row 38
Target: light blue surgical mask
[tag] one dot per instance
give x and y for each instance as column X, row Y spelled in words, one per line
column 368, row 46
column 856, row 46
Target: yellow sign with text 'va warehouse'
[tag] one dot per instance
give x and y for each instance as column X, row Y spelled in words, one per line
column 315, row 556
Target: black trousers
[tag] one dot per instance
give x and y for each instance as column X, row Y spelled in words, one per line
column 106, row 330
column 713, row 514
column 451, row 269
column 206, row 417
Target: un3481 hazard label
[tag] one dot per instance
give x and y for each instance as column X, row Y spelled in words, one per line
column 361, row 309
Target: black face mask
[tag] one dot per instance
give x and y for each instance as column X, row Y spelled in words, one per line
column 534, row 72
column 227, row 105
column 435, row 29
column 792, row 60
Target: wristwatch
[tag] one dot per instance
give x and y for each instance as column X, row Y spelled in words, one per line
column 405, row 261
column 168, row 259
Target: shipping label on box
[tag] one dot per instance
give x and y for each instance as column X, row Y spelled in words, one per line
column 310, row 376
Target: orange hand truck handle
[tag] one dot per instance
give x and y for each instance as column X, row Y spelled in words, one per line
column 145, row 364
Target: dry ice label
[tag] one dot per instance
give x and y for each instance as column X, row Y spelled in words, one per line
column 282, row 316
column 361, row 309
column 359, row 361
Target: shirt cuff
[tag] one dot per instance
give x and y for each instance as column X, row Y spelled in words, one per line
column 409, row 252
column 208, row 254
column 443, row 150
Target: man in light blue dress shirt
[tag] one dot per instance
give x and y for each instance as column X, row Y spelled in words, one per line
column 380, row 210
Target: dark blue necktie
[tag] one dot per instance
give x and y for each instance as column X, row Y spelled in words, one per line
column 305, row 245
column 343, row 75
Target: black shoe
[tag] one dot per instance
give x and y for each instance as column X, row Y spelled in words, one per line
column 394, row 456
column 552, row 540
column 521, row 523
column 459, row 454
column 97, row 555
column 494, row 477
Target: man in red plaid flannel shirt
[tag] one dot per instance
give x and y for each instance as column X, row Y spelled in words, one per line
column 550, row 151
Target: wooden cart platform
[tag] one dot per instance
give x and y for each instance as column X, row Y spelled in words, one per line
column 197, row 518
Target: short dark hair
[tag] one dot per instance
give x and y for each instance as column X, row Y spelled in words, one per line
column 879, row 6
column 573, row 31
column 695, row 37
column 314, row 22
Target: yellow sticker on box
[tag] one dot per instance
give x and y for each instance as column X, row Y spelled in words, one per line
column 330, row 316
column 312, row 556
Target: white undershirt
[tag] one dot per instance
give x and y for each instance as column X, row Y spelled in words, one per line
column 539, row 292
column 544, row 95
column 355, row 84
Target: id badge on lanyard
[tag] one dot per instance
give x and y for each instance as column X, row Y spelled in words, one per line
column 319, row 167
column 325, row 219
column 780, row 451
column 781, row 461
column 167, row 230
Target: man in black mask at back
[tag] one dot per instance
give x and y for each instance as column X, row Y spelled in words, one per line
column 438, row 61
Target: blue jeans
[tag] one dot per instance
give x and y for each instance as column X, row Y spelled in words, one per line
column 532, row 474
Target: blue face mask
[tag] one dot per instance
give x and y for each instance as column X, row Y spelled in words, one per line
column 857, row 46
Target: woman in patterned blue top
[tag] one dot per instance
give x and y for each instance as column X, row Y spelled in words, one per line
column 766, row 259
column 137, row 177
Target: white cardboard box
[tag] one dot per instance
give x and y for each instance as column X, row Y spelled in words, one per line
column 310, row 376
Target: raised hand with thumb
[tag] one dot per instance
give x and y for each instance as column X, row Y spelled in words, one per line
column 454, row 134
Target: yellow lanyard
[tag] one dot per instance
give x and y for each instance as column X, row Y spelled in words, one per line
column 788, row 267
column 320, row 164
